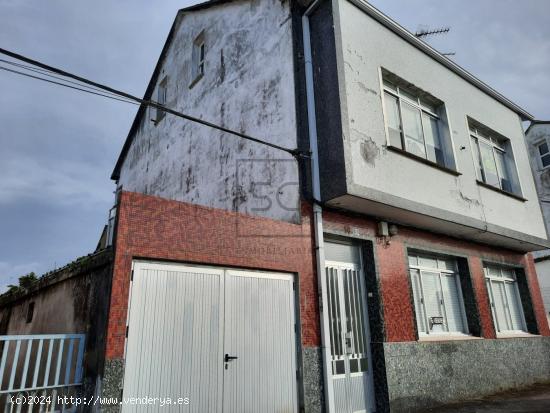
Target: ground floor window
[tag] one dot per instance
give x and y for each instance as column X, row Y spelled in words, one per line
column 505, row 299
column 437, row 294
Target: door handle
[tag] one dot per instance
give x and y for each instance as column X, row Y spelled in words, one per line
column 229, row 358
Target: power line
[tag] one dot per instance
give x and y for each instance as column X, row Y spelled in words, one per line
column 47, row 73
column 63, row 84
column 294, row 152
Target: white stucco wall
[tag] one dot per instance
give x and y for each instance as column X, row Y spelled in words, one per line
column 248, row 86
column 366, row 46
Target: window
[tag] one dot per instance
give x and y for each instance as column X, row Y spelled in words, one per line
column 197, row 59
column 544, row 153
column 437, row 295
column 493, row 159
column 161, row 98
column 414, row 122
column 30, row 312
column 505, row 299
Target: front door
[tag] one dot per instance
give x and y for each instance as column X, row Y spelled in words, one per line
column 204, row 339
column 349, row 330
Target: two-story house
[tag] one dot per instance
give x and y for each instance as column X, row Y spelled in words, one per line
column 381, row 265
column 538, row 140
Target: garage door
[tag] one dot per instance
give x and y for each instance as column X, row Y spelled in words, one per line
column 205, row 339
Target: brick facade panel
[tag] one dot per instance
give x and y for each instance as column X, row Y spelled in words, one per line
column 159, row 229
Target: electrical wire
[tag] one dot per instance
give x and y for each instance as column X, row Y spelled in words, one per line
column 294, row 152
column 62, row 84
column 47, row 73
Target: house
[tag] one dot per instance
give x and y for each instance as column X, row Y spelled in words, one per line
column 372, row 255
column 538, row 141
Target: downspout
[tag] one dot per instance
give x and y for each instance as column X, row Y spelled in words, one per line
column 318, row 214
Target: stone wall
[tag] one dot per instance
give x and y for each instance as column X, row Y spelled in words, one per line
column 422, row 375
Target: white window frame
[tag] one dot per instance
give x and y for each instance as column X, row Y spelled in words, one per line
column 538, row 144
column 440, row 271
column 416, row 104
column 495, row 147
column 198, row 58
column 505, row 280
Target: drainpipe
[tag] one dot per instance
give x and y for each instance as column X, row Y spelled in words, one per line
column 318, row 214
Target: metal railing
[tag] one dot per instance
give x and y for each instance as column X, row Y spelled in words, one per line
column 33, row 366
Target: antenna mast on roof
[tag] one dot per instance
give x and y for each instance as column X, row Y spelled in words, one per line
column 423, row 32
column 431, row 32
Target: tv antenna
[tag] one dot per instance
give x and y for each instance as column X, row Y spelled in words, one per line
column 424, row 32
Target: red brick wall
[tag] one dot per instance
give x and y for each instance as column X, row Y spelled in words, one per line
column 392, row 272
column 155, row 228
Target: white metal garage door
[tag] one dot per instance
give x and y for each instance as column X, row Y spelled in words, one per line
column 224, row 339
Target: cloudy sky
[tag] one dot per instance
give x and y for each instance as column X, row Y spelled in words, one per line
column 58, row 147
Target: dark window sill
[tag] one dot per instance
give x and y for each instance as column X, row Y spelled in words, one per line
column 158, row 120
column 494, row 188
column 196, row 80
column 424, row 161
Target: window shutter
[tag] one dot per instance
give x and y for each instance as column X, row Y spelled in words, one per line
column 433, row 298
column 453, row 306
column 418, row 307
column 500, row 305
column 516, row 313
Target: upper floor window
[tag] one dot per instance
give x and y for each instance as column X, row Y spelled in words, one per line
column 437, row 294
column 162, row 91
column 415, row 121
column 493, row 158
column 197, row 58
column 544, row 153
column 504, row 298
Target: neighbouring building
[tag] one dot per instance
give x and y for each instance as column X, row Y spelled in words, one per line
column 53, row 334
column 538, row 140
column 383, row 264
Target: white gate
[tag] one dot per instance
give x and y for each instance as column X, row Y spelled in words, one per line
column 352, row 375
column 40, row 367
column 210, row 340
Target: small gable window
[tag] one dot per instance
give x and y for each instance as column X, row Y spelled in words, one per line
column 162, row 91
column 198, row 59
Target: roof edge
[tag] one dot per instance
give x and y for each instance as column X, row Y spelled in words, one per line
column 115, row 175
column 429, row 50
column 537, row 122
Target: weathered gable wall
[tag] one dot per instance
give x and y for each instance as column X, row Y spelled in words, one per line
column 247, row 86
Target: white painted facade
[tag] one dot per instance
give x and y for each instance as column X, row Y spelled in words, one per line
column 248, row 87
column 364, row 47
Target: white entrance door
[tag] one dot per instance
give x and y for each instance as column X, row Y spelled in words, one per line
column 349, row 331
column 209, row 340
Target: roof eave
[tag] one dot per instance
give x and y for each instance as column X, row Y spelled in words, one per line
column 115, row 175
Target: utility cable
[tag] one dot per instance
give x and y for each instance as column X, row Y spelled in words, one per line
column 63, row 84
column 294, row 152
